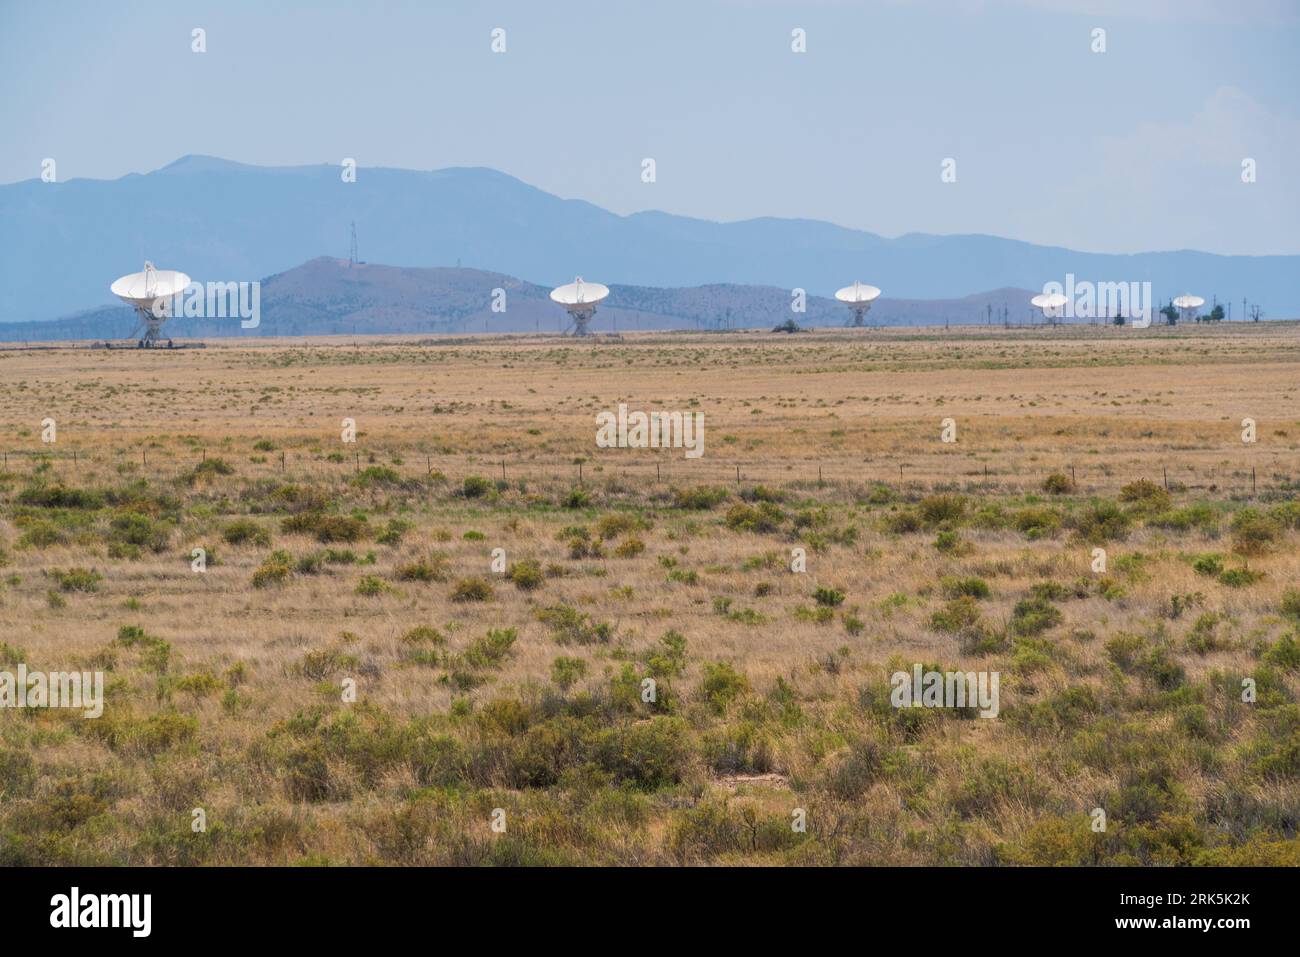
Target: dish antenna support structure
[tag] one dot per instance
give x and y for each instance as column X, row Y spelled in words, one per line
column 580, row 299
column 1050, row 303
column 858, row 298
column 1187, row 306
column 147, row 292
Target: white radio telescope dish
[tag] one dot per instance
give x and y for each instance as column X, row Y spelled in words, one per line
column 1187, row 305
column 1050, row 303
column 858, row 298
column 580, row 298
column 148, row 291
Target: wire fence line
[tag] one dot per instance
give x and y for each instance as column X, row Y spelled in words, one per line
column 1272, row 475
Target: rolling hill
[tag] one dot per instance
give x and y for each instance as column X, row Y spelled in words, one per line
column 327, row 296
column 224, row 221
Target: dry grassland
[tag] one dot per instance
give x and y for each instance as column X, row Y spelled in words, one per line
column 331, row 564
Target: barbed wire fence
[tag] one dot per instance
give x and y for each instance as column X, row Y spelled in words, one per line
column 1258, row 475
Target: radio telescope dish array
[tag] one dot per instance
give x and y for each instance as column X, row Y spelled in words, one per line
column 580, row 299
column 1187, row 306
column 148, row 291
column 1050, row 303
column 858, row 298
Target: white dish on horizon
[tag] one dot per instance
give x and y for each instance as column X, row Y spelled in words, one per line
column 1189, row 302
column 1049, row 300
column 859, row 292
column 579, row 293
column 143, row 289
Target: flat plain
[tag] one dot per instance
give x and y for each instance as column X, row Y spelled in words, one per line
column 471, row 636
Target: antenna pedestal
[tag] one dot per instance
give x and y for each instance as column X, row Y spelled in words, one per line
column 579, row 301
column 582, row 321
column 151, row 336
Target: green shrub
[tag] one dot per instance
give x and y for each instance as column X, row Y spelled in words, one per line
column 620, row 523
column 132, row 528
column 700, row 498
column 490, row 651
column 761, row 493
column 566, row 672
column 577, row 498
column 376, row 475
column 1200, row 516
column 1253, row 532
column 721, row 684
column 471, row 590
column 968, row 587
column 902, row 522
column 1202, row 637
column 211, row 467
column 58, row 495
column 245, row 531
column 1145, row 496
column 1101, row 522
column 569, row 626
column 1284, row 653
column 77, row 579
column 475, row 486
column 942, row 510
column 1239, row 577
column 647, row 754
column 956, row 616
column 667, row 659
column 423, row 635
column 762, row 518
column 526, row 574
column 430, row 569
column 1058, row 484
column 1036, row 523
column 275, row 569
column 326, row 528
column 1290, row 604
column 629, row 548
column 371, row 586
column 951, row 543
column 393, row 532
column 1033, row 616
column 828, row 597
column 1208, row 565
column 1287, row 514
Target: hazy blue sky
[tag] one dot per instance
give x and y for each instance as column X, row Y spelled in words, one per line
column 1136, row 148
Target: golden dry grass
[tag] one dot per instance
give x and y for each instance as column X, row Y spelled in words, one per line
column 865, row 409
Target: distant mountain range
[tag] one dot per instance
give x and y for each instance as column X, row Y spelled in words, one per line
column 331, row 297
column 223, row 221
